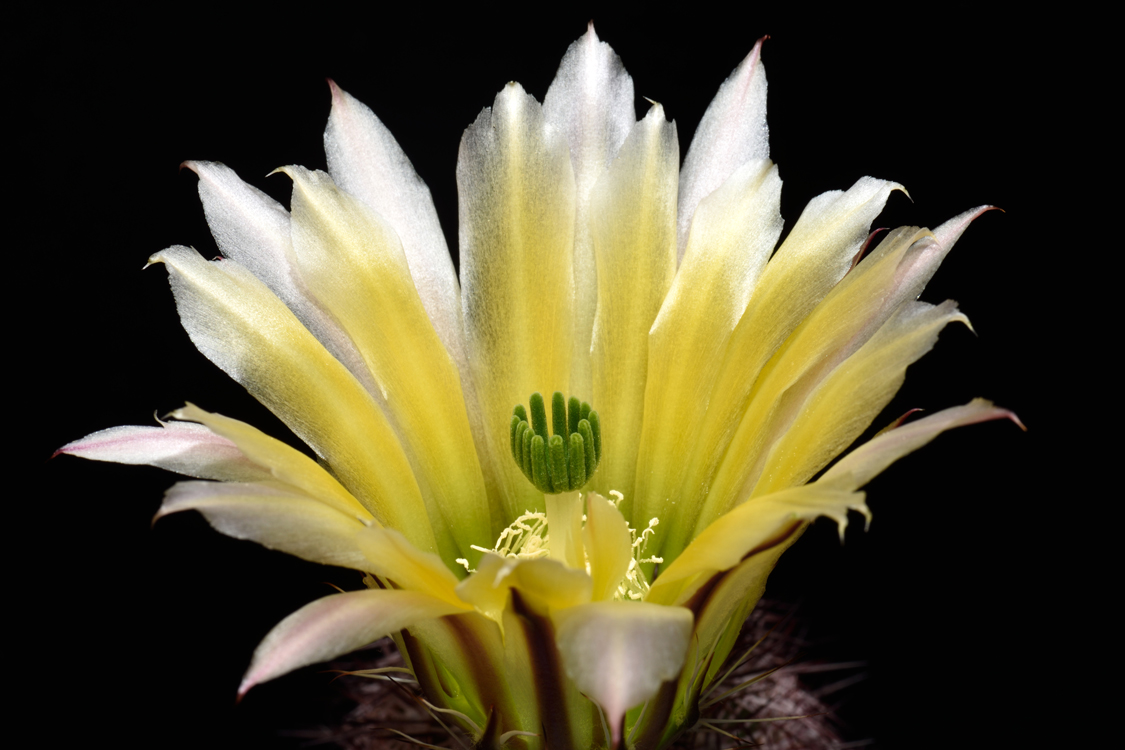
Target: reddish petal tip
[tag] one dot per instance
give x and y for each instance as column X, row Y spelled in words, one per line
column 1012, row 416
column 339, row 96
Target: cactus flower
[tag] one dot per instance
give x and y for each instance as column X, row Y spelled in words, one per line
column 571, row 569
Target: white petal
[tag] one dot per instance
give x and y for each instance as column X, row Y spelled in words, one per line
column 237, row 323
column 948, row 233
column 591, row 103
column 869, row 460
column 248, row 225
column 273, row 516
column 515, row 189
column 732, row 132
column 336, row 625
column 253, row 229
column 353, row 261
column 181, row 447
column 619, row 653
column 365, row 160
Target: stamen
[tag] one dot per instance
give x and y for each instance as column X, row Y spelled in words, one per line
column 565, row 460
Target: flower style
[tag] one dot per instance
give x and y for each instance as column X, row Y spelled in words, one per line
column 541, row 602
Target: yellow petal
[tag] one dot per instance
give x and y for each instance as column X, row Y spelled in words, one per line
column 336, row 625
column 752, row 527
column 391, row 556
column 847, row 317
column 286, row 464
column 515, row 189
column 619, row 653
column 243, row 328
column 544, row 584
column 849, row 399
column 634, row 231
column 353, row 262
column 609, row 547
column 733, row 233
column 487, row 588
column 812, row 259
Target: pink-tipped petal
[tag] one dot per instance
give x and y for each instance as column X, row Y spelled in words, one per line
column 182, row 447
column 336, row 625
column 870, row 459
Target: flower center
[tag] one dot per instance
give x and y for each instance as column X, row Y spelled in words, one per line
column 565, row 460
column 556, row 464
column 528, row 537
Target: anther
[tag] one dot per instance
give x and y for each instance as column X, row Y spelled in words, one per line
column 563, row 461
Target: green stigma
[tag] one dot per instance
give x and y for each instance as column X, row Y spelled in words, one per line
column 564, row 461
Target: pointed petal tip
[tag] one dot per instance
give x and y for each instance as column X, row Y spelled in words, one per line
column 755, row 53
column 339, row 96
column 1013, row 417
column 963, row 318
column 979, row 211
column 243, row 689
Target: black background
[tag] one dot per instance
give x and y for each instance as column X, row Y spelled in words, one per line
column 139, row 635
